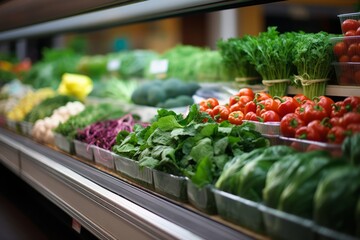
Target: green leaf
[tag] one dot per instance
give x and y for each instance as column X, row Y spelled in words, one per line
column 168, row 123
column 203, row 174
column 148, row 162
column 160, row 137
column 202, row 150
column 209, row 130
column 221, row 145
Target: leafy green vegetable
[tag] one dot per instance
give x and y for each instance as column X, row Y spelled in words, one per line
column 336, row 198
column 358, row 218
column 131, row 64
column 245, row 175
column 48, row 71
column 282, row 173
column 209, row 67
column 235, row 58
column 178, row 57
column 46, row 107
column 298, row 196
column 351, row 150
column 271, row 54
column 115, row 88
column 188, row 146
column 312, row 57
column 93, row 66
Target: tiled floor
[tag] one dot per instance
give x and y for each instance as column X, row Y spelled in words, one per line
column 26, row 214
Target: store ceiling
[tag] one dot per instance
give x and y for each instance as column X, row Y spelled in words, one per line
column 21, row 13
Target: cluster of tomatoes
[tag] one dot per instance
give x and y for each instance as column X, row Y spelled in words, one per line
column 348, row 50
column 247, row 105
column 323, row 120
column 350, row 27
column 319, row 119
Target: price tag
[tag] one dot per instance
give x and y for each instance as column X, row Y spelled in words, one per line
column 113, row 65
column 159, row 66
column 76, row 225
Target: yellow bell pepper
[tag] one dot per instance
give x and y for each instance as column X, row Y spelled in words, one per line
column 76, row 85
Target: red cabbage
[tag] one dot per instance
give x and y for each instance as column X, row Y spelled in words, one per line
column 103, row 133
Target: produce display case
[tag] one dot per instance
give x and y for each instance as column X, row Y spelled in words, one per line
column 104, row 203
column 112, row 196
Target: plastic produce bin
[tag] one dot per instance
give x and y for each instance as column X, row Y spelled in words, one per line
column 26, row 128
column 281, row 225
column 174, row 187
column 343, row 17
column 132, row 170
column 347, row 73
column 64, row 144
column 329, row 234
column 202, row 198
column 306, row 145
column 83, row 150
column 103, row 157
column 267, row 128
column 239, row 210
column 13, row 125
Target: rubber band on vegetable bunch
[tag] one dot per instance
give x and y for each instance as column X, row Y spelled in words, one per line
column 271, row 54
column 312, row 59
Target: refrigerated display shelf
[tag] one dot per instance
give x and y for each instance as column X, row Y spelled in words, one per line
column 121, row 15
column 105, row 204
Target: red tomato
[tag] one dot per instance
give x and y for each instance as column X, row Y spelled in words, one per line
column 352, row 104
column 352, row 49
column 350, row 33
column 270, row 116
column 250, row 107
column 344, row 58
column 336, row 135
column 233, row 99
column 236, row 107
column 315, row 112
column 355, row 58
column 306, row 134
column 300, row 98
column 349, row 24
column 290, row 123
column 300, row 111
column 221, row 113
column 353, row 128
column 261, row 96
column 325, row 102
column 210, row 112
column 208, row 103
column 287, row 105
column 236, row 117
column 357, row 33
column 336, row 121
column 351, row 117
column 251, row 116
column 246, row 92
column 339, row 49
column 321, row 129
column 337, row 109
column 269, row 104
